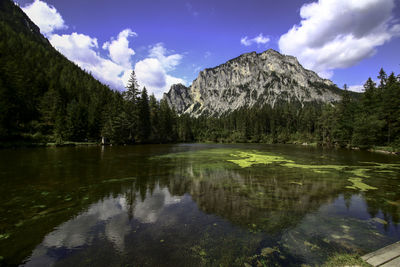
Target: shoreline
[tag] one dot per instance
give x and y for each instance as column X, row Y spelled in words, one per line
column 14, row 145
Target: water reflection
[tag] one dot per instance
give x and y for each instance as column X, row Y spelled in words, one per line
column 149, row 210
column 198, row 209
column 109, row 219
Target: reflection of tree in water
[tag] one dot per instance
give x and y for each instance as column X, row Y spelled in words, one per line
column 268, row 200
column 259, row 200
column 276, row 194
column 279, row 202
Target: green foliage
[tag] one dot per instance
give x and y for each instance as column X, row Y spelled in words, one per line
column 144, row 122
column 366, row 121
column 345, row 260
column 41, row 92
column 46, row 98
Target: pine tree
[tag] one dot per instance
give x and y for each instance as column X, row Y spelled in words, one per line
column 144, row 123
column 382, row 77
column 391, row 107
column 131, row 96
column 132, row 93
column 154, row 119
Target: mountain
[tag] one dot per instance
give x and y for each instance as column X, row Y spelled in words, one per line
column 249, row 80
column 42, row 93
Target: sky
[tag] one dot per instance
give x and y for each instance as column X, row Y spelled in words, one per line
column 168, row 42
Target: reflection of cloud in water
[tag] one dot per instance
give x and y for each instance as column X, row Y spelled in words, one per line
column 321, row 232
column 112, row 213
column 150, row 209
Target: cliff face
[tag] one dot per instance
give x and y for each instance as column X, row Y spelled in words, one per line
column 248, row 80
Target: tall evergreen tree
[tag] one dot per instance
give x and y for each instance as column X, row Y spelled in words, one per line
column 345, row 114
column 144, row 122
column 131, row 96
column 154, row 119
column 382, row 77
column 132, row 93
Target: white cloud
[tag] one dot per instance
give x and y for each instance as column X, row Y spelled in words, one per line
column 119, row 50
column 360, row 87
column 114, row 69
column 152, row 71
column 168, row 62
column 44, row 16
column 356, row 88
column 339, row 33
column 260, row 39
column 82, row 49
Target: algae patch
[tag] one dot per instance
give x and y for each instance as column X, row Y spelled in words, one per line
column 360, row 172
column 119, row 180
column 266, row 251
column 4, row 236
column 247, row 159
column 358, row 184
column 315, row 168
column 379, row 220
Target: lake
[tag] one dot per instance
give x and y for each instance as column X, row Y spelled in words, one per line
column 194, row 205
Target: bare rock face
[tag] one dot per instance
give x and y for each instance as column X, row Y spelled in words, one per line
column 248, row 80
column 179, row 98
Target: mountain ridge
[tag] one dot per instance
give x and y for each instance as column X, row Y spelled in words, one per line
column 248, row 80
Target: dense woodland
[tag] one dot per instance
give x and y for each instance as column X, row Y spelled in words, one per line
column 45, row 98
column 369, row 120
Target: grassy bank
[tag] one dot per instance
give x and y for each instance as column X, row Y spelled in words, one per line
column 26, row 144
column 345, row 260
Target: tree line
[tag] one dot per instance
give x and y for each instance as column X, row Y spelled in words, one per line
column 46, row 98
column 134, row 117
column 372, row 119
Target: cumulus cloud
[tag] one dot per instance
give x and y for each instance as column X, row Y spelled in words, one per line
column 339, row 33
column 83, row 50
column 115, row 68
column 356, row 88
column 168, row 62
column 44, row 16
column 119, row 50
column 260, row 39
column 152, row 71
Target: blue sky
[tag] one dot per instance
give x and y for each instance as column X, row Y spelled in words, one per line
column 167, row 42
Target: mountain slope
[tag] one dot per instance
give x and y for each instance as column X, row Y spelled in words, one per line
column 41, row 91
column 248, row 80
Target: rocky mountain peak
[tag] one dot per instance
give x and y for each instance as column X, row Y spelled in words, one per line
column 248, row 80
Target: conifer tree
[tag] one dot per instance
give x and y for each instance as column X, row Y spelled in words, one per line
column 144, row 123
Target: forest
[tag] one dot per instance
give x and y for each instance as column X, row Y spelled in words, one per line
column 373, row 119
column 45, row 98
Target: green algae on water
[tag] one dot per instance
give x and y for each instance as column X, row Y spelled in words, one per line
column 4, row 236
column 394, row 203
column 358, row 184
column 315, row 168
column 360, row 172
column 268, row 250
column 249, row 159
column 379, row 220
column 119, row 180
